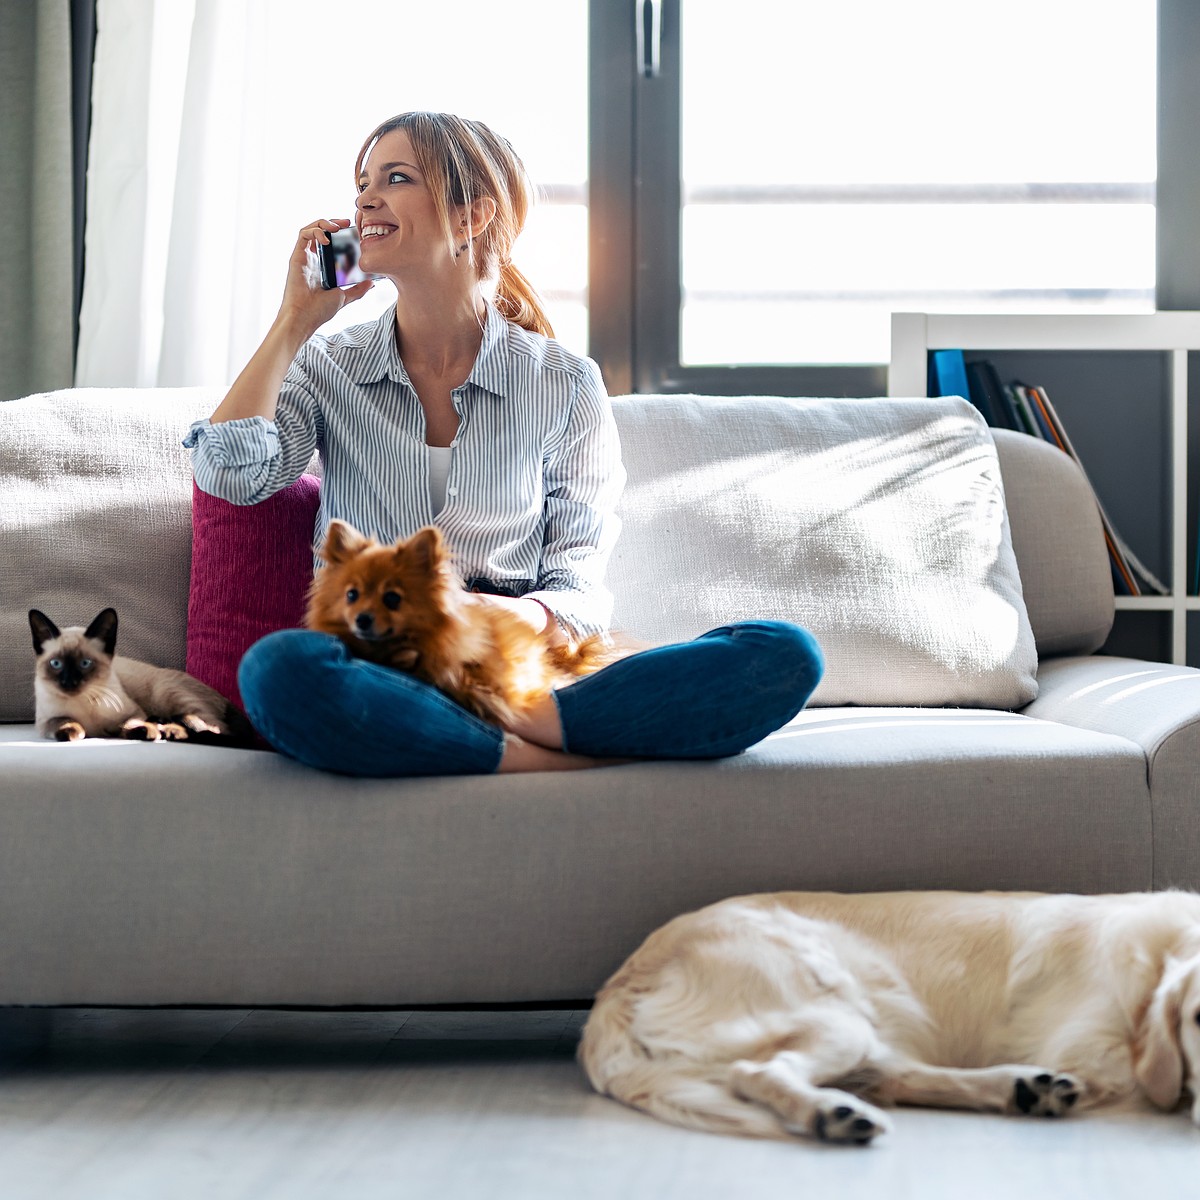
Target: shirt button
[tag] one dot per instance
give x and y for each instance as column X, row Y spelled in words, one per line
column 454, row 443
column 452, row 491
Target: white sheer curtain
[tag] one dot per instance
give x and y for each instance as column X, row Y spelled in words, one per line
column 221, row 127
column 172, row 171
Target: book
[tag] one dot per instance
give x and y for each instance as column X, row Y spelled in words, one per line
column 1037, row 414
column 1196, row 575
column 948, row 374
column 1024, row 411
column 987, row 394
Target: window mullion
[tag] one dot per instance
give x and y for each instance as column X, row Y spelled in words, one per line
column 658, row 209
column 610, row 191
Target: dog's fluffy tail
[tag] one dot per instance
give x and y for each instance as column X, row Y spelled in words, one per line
column 694, row 1095
column 596, row 651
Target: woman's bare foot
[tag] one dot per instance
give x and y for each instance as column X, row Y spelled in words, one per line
column 540, row 724
column 522, row 755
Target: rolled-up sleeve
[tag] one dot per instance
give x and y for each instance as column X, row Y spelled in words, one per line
column 584, row 478
column 247, row 460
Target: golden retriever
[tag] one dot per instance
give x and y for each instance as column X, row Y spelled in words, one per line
column 798, row 1013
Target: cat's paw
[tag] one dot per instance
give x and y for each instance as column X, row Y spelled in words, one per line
column 70, row 731
column 172, row 732
column 140, row 730
column 197, row 724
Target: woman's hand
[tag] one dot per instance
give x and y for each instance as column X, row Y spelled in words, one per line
column 305, row 302
column 534, row 614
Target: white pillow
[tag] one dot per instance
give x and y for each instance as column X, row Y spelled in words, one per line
column 878, row 524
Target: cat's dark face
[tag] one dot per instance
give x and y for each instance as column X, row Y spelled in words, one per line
column 70, row 659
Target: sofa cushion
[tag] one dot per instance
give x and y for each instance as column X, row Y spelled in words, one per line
column 182, row 874
column 879, row 524
column 251, row 567
column 95, row 510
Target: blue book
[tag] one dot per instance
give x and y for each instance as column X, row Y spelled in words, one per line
column 1196, row 575
column 948, row 374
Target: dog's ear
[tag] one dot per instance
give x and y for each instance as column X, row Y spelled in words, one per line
column 426, row 548
column 44, row 629
column 342, row 541
column 104, row 629
column 1157, row 1054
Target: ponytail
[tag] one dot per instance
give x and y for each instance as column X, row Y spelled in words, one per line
column 518, row 301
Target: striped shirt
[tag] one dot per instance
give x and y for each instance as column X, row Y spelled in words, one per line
column 535, row 471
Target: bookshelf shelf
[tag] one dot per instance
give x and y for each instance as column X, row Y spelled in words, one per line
column 1172, row 333
column 1147, row 603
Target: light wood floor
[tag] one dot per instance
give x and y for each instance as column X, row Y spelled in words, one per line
column 264, row 1105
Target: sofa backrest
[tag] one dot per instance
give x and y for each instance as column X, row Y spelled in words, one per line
column 95, row 496
column 1059, row 543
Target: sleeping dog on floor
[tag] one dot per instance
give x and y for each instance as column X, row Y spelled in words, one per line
column 797, row 1013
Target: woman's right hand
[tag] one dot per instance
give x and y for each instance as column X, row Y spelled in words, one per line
column 305, row 301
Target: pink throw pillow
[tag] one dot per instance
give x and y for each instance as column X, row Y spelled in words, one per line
column 251, row 567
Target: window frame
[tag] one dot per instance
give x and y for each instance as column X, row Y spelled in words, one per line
column 635, row 210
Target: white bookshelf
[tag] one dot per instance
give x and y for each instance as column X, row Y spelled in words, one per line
column 1173, row 333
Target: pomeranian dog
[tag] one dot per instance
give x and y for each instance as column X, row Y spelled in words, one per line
column 403, row 606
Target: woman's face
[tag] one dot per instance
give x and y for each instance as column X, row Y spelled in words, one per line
column 396, row 219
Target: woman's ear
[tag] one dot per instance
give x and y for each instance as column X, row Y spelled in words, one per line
column 1157, row 1055
column 483, row 210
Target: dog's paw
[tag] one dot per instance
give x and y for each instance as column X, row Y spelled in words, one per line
column 1045, row 1094
column 140, row 731
column 842, row 1117
column 70, row 731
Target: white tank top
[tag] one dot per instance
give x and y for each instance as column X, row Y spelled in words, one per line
column 439, row 469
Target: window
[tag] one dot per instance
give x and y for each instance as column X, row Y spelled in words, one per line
column 805, row 169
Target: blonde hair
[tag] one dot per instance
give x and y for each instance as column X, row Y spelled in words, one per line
column 464, row 161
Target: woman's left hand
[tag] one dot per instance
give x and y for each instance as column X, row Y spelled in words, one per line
column 533, row 614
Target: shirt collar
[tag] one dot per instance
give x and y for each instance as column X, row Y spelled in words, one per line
column 373, row 353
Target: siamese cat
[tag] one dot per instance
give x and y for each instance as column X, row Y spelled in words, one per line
column 82, row 688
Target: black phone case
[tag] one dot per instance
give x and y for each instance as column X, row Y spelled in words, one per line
column 328, row 266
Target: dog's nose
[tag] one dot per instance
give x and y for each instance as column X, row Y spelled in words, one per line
column 364, row 621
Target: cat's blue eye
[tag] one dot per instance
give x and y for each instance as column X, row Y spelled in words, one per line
column 85, row 663
column 352, row 595
column 56, row 664
column 392, row 600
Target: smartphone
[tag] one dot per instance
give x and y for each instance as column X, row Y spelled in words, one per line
column 339, row 259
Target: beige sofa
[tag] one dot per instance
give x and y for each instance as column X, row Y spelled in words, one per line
column 141, row 874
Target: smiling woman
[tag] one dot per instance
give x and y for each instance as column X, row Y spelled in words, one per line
column 462, row 366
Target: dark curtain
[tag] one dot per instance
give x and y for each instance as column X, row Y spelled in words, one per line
column 83, row 48
column 36, row 189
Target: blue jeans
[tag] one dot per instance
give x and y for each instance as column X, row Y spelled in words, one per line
column 707, row 698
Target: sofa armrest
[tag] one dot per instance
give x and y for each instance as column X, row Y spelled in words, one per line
column 1059, row 545
column 1156, row 706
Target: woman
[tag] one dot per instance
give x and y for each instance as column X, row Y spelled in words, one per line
column 458, row 408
